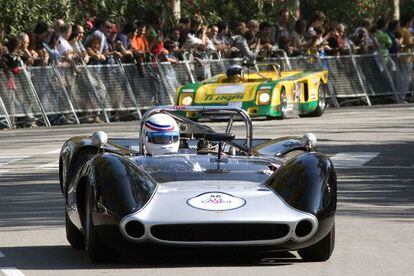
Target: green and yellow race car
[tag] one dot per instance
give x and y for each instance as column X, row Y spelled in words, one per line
column 271, row 94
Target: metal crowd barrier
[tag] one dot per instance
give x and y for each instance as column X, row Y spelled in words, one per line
column 47, row 93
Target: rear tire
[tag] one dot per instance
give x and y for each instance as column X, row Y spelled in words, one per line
column 73, row 234
column 95, row 248
column 320, row 251
column 321, row 101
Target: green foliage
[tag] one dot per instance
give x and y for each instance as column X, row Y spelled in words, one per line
column 22, row 15
column 352, row 12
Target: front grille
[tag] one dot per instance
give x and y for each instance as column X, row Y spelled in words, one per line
column 219, row 232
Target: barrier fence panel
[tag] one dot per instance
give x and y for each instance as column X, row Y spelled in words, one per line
column 113, row 88
column 147, row 84
column 19, row 101
column 50, row 92
column 374, row 75
column 343, row 77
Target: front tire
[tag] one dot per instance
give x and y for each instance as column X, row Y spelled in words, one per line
column 320, row 251
column 95, row 248
column 73, row 234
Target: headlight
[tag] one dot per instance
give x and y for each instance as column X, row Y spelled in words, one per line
column 263, row 98
column 186, row 99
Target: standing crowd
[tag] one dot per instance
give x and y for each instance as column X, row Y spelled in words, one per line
column 106, row 42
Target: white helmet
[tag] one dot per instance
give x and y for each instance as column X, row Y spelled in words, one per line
column 161, row 134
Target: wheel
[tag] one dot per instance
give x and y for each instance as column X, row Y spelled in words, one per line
column 320, row 251
column 321, row 101
column 73, row 234
column 283, row 103
column 95, row 248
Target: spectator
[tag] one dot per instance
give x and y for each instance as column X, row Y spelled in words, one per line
column 27, row 56
column 38, row 42
column 80, row 55
column 383, row 39
column 63, row 47
column 184, row 27
column 407, row 41
column 175, row 37
column 336, row 40
column 362, row 37
column 58, row 24
column 265, row 45
column 392, row 31
column 241, row 42
column 94, row 50
column 54, row 56
column 222, row 42
column 197, row 37
column 139, row 43
column 281, row 27
column 297, row 40
column 122, row 41
column 154, row 34
column 317, row 22
column 253, row 26
column 103, row 29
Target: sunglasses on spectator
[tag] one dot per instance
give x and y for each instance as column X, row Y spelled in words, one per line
column 109, row 27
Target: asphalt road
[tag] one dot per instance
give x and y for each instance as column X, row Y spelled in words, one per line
column 372, row 148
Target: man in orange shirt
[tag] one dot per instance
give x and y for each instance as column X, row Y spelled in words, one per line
column 139, row 43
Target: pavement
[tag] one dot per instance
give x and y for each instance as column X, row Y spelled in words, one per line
column 371, row 147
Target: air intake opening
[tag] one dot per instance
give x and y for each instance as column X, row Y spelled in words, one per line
column 219, row 232
column 134, row 229
column 303, row 228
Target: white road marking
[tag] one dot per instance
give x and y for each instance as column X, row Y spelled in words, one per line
column 11, row 271
column 49, row 166
column 352, row 159
column 3, row 171
column 52, row 151
column 9, row 159
column 2, row 255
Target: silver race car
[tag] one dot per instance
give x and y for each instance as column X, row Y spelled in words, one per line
column 216, row 191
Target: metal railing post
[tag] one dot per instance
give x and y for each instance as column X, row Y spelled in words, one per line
column 330, row 88
column 33, row 90
column 129, row 88
column 187, row 66
column 359, row 75
column 6, row 114
column 163, row 80
column 65, row 91
column 223, row 67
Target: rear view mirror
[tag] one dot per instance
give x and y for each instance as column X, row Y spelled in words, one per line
column 99, row 138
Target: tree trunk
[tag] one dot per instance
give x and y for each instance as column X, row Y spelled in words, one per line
column 395, row 9
column 176, row 8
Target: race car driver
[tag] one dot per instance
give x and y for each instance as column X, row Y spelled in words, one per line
column 234, row 74
column 162, row 135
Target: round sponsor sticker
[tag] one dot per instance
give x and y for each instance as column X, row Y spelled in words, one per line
column 216, row 201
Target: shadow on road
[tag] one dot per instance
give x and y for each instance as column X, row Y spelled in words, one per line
column 64, row 258
column 383, row 187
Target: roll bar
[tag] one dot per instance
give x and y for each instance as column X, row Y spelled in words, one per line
column 216, row 109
